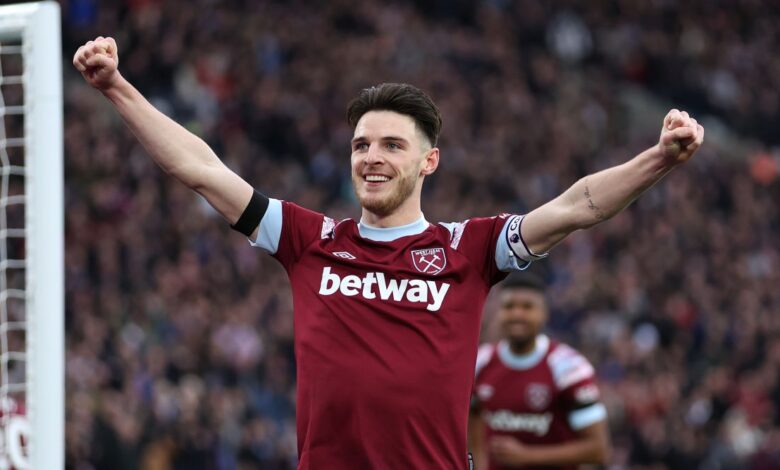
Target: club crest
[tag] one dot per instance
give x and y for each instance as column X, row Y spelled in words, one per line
column 429, row 261
column 485, row 391
column 537, row 396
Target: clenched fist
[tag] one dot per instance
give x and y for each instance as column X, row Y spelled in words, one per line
column 681, row 136
column 98, row 61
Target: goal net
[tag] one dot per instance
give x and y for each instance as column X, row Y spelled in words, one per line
column 31, row 238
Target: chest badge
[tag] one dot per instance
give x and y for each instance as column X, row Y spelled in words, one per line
column 429, row 261
column 485, row 391
column 538, row 396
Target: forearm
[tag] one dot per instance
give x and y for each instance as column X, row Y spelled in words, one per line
column 176, row 150
column 572, row 453
column 593, row 199
column 180, row 153
column 602, row 195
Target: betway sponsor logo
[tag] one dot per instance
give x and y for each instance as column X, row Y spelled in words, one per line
column 376, row 285
column 505, row 420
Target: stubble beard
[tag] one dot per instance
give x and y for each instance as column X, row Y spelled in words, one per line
column 384, row 206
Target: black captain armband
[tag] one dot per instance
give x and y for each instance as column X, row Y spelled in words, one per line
column 252, row 215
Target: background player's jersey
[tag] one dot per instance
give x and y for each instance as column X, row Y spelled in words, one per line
column 544, row 397
column 386, row 333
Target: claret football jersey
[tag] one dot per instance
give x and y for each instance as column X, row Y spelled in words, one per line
column 386, row 327
column 541, row 398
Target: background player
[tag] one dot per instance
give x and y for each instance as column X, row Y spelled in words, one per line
column 380, row 378
column 536, row 403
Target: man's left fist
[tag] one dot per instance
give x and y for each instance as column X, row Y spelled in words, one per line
column 681, row 136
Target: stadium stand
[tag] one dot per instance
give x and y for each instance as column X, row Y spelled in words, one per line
column 179, row 335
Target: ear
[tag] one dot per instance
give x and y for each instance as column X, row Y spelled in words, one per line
column 430, row 162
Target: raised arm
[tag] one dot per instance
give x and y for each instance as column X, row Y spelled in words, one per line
column 180, row 153
column 597, row 197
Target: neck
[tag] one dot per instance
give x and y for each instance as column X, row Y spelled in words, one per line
column 522, row 348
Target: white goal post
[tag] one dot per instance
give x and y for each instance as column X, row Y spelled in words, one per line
column 32, row 351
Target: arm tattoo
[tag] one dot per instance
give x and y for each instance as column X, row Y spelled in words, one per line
column 596, row 209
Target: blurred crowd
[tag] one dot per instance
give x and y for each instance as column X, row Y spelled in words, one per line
column 179, row 334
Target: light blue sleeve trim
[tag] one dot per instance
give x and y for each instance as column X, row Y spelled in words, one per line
column 512, row 254
column 270, row 228
column 584, row 417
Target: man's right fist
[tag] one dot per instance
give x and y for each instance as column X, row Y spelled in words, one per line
column 98, row 61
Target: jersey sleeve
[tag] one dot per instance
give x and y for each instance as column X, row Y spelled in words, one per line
column 270, row 229
column 493, row 244
column 484, row 355
column 575, row 380
column 287, row 229
column 512, row 253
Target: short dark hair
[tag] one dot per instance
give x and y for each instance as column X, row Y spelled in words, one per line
column 401, row 98
column 524, row 280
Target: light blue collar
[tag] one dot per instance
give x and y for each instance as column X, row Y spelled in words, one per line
column 525, row 361
column 392, row 233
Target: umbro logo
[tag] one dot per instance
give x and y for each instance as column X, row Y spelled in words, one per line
column 344, row 254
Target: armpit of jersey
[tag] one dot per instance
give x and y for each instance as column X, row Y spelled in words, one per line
column 512, row 253
column 484, row 354
column 270, row 228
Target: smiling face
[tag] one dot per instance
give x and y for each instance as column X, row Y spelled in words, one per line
column 522, row 314
column 389, row 158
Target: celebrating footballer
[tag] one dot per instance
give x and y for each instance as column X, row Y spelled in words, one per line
column 387, row 308
column 536, row 403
